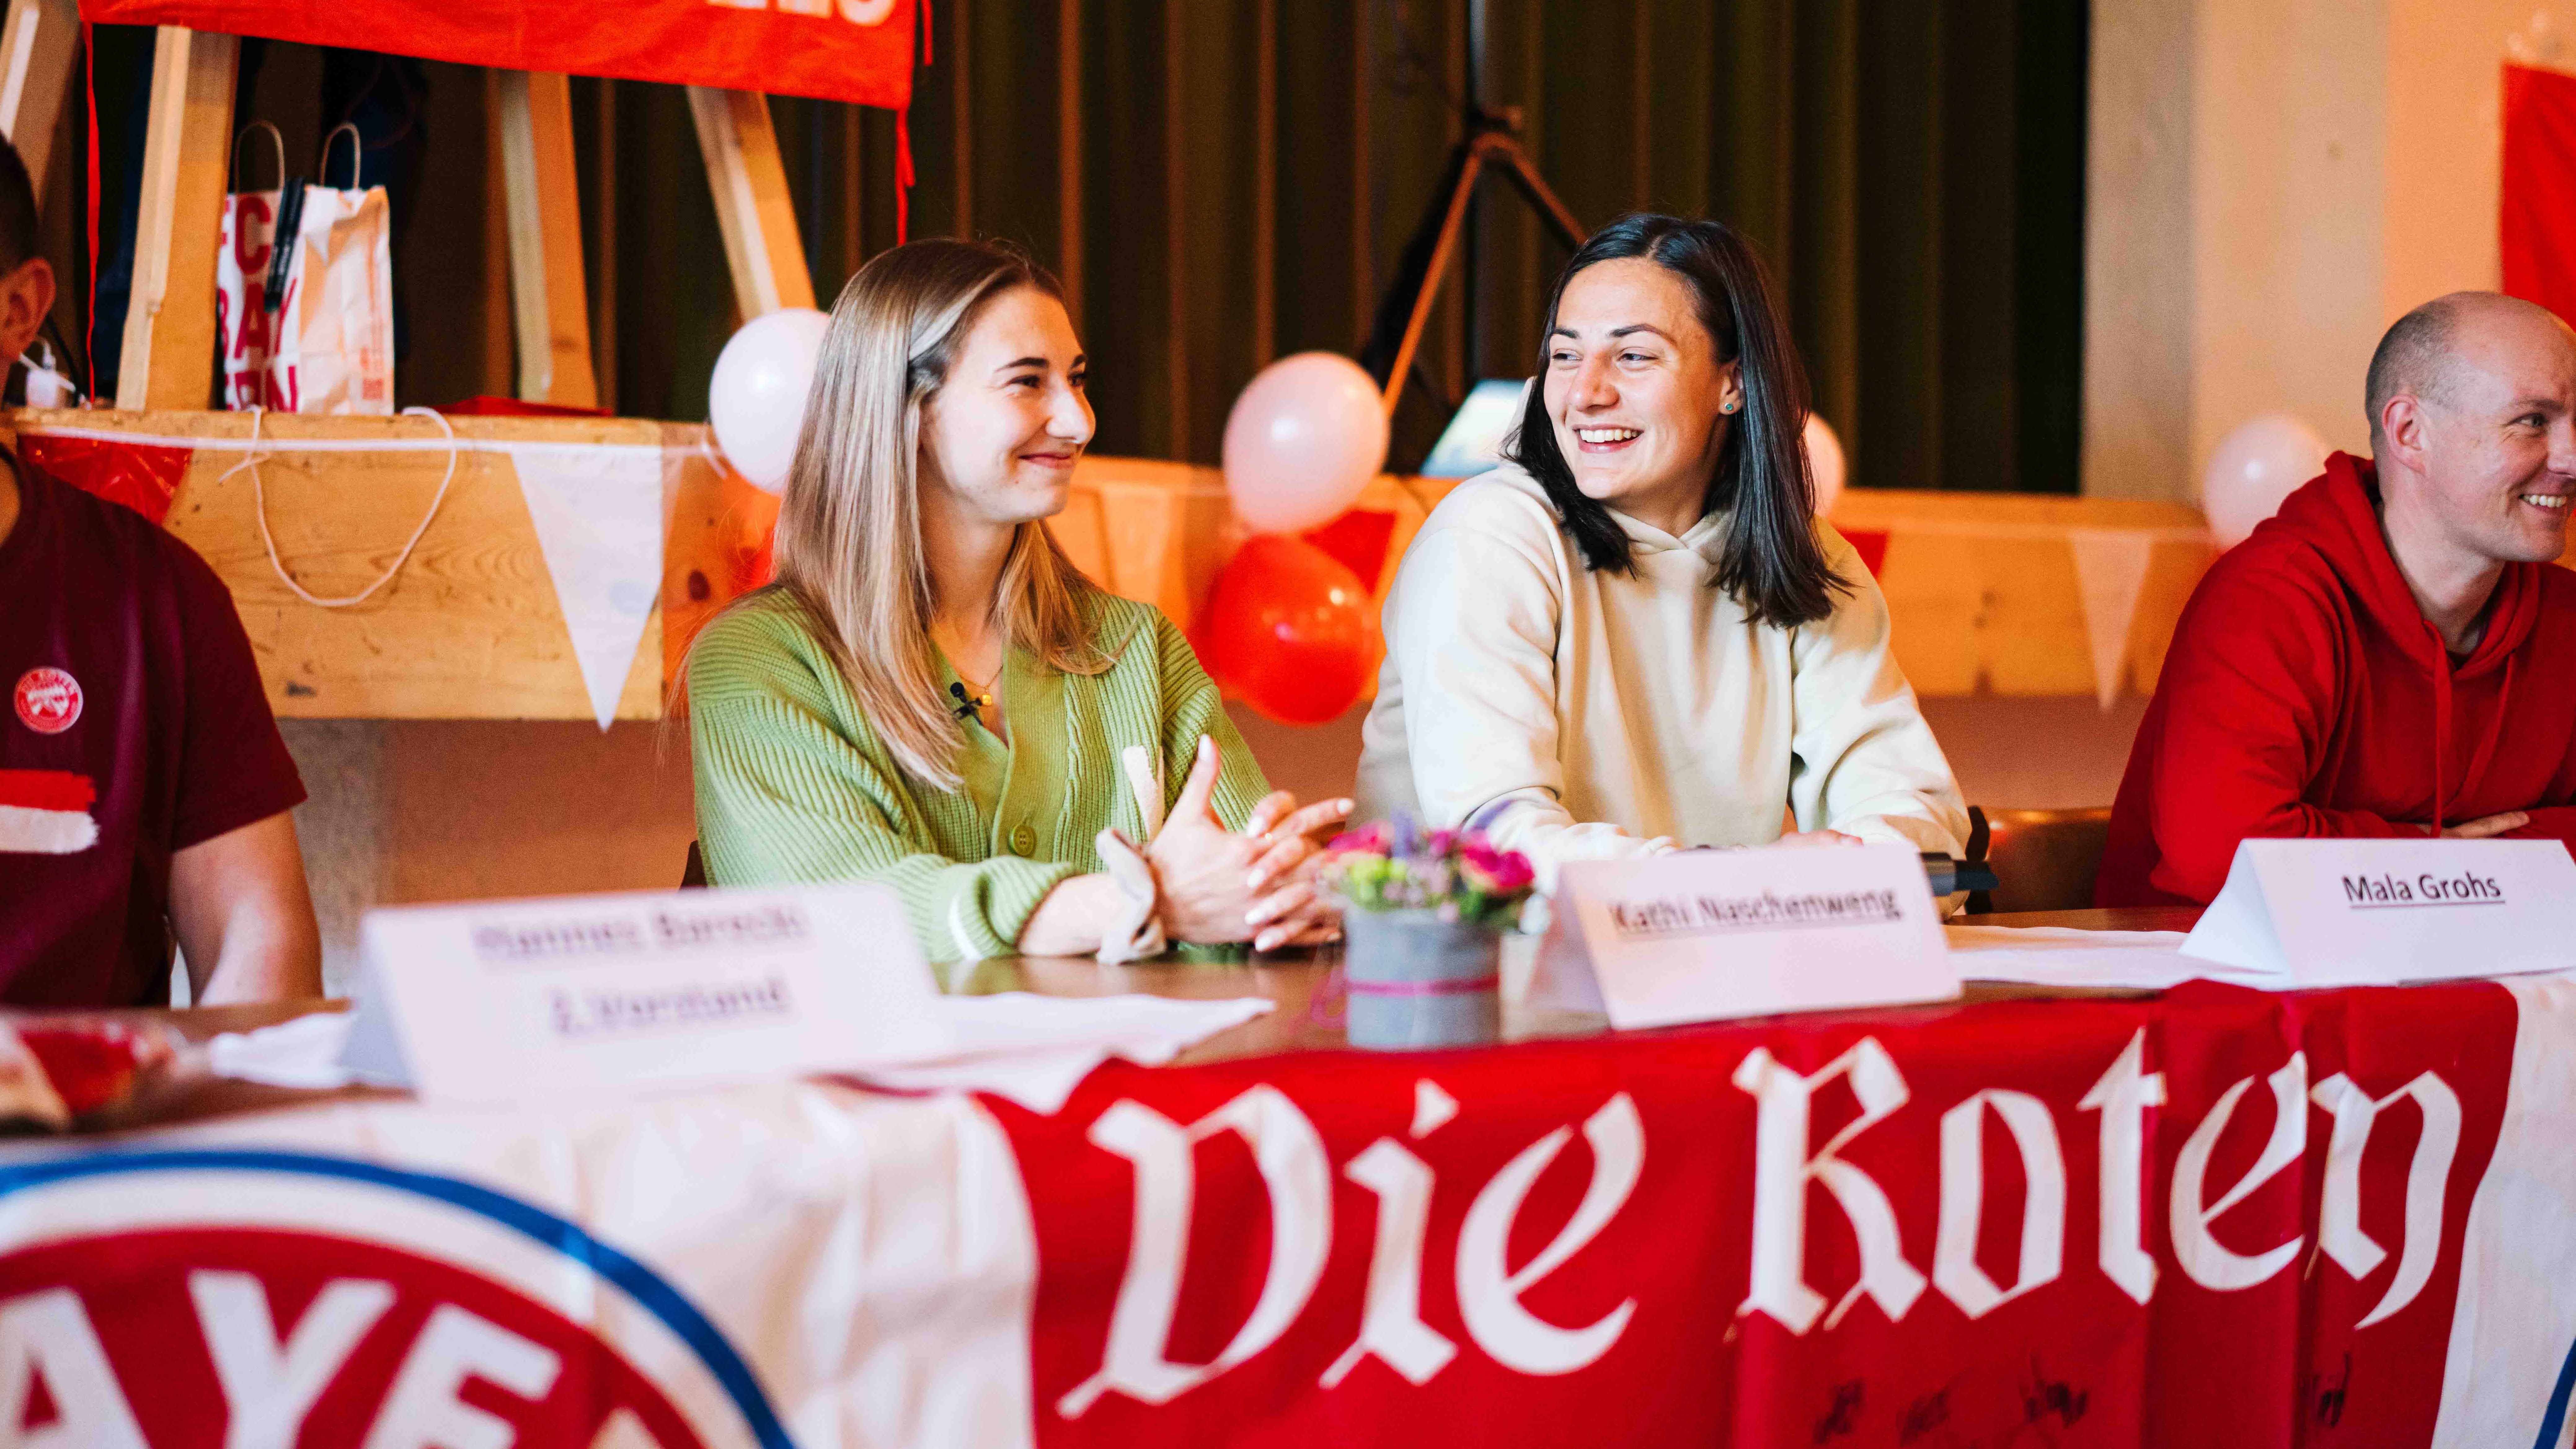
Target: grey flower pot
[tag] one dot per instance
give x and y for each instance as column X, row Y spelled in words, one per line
column 1418, row 981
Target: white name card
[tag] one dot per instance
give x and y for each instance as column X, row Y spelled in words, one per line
column 2361, row 912
column 529, row 999
column 1709, row 934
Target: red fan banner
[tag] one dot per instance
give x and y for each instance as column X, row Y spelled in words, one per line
column 838, row 50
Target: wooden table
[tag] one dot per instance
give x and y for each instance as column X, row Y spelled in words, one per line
column 1306, row 1015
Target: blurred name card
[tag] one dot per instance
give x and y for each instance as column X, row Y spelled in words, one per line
column 532, row 999
column 2298, row 913
column 1709, row 934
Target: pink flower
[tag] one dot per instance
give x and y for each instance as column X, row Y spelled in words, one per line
column 1372, row 839
column 1495, row 872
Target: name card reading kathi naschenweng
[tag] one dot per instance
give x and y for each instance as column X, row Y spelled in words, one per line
column 1709, row 934
column 2300, row 913
column 524, row 1000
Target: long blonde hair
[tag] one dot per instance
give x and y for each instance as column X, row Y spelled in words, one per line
column 849, row 529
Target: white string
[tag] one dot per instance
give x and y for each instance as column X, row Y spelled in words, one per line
column 259, row 496
column 286, row 447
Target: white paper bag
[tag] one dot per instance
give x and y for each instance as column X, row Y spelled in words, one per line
column 243, row 323
column 334, row 348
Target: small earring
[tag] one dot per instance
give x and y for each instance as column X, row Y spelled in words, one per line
column 1727, row 406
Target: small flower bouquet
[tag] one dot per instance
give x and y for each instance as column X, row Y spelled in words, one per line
column 1453, row 874
column 1424, row 915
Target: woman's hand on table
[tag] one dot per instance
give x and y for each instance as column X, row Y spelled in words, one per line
column 1820, row 837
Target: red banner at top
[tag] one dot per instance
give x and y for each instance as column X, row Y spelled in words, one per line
column 839, row 50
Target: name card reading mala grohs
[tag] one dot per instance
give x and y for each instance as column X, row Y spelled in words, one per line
column 2363, row 912
column 519, row 1000
column 1709, row 934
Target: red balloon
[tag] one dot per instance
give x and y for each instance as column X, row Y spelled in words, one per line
column 1289, row 630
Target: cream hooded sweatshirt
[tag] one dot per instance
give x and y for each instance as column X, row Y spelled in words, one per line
column 1626, row 716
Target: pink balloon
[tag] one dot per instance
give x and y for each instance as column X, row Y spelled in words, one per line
column 2262, row 462
column 1306, row 436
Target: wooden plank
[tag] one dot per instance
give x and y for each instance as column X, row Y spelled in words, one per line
column 39, row 55
column 1920, row 509
column 169, row 357
column 468, row 630
column 603, row 317
column 549, row 298
column 752, row 203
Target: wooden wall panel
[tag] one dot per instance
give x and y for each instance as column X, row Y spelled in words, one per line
column 1986, row 590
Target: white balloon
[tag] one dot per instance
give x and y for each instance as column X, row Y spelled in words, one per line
column 1305, row 437
column 2262, row 462
column 756, row 400
column 1825, row 461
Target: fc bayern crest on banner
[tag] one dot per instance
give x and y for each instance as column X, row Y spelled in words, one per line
column 48, row 700
column 286, row 1298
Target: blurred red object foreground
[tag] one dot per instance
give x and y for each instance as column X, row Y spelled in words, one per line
column 52, row 1071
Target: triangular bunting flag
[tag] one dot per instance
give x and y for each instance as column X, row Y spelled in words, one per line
column 2110, row 573
column 599, row 516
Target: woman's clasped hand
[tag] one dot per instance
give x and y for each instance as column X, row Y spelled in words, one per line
column 1256, row 884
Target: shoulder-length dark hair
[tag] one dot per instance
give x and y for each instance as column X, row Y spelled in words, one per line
column 1771, row 562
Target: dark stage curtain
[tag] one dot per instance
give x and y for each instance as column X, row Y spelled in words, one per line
column 1225, row 181
column 1238, row 179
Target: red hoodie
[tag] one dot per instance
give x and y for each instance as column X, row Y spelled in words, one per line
column 2306, row 695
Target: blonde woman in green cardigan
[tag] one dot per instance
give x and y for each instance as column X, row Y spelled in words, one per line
column 933, row 697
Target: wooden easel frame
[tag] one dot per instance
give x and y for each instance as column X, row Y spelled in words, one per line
column 39, row 55
column 168, row 358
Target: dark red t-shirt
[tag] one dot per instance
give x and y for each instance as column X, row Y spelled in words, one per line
column 134, row 727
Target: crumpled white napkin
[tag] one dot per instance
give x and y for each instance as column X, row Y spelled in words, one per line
column 1139, row 931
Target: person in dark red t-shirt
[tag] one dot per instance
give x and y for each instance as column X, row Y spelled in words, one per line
column 144, row 792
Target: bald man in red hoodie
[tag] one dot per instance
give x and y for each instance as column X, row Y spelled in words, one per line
column 2394, row 653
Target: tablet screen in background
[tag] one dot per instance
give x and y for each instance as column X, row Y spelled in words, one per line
column 1473, row 440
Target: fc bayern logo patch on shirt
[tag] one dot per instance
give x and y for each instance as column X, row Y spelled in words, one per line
column 48, row 700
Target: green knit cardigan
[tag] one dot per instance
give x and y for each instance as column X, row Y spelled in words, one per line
column 794, row 786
